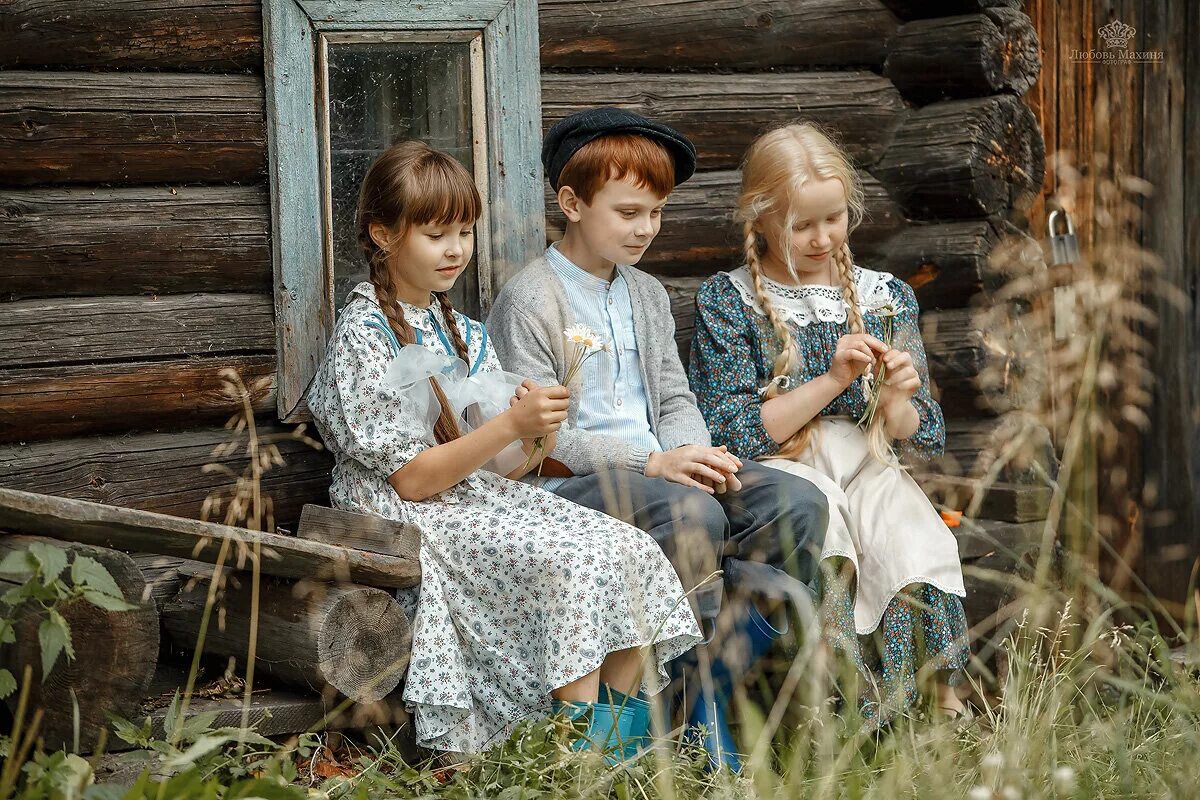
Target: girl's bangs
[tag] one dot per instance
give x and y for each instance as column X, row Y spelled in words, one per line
column 443, row 195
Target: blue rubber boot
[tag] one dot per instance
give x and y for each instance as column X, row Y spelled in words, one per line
column 604, row 726
column 633, row 721
column 574, row 711
column 749, row 642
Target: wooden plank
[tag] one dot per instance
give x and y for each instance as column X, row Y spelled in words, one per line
column 390, row 15
column 964, row 158
column 712, row 33
column 153, row 240
column 164, row 472
column 723, row 114
column 41, row 403
column 111, row 328
column 699, row 235
column 303, row 308
column 123, row 128
column 360, row 531
column 147, row 532
column 964, row 56
column 980, row 538
column 514, row 112
column 216, row 35
column 1016, row 447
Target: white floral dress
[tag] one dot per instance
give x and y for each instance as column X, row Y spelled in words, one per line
column 521, row 591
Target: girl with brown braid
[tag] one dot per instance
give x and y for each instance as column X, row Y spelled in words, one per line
column 785, row 351
column 525, row 599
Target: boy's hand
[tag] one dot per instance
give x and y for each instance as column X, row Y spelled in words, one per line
column 855, row 354
column 709, row 469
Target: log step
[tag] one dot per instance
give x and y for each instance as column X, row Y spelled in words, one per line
column 359, row 531
column 147, row 532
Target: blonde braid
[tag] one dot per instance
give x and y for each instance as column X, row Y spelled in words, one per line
column 877, row 438
column 785, row 362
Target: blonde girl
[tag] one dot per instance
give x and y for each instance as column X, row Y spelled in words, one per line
column 783, row 350
column 525, row 597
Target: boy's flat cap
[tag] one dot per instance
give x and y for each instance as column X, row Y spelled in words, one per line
column 571, row 133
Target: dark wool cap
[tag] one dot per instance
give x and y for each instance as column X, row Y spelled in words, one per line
column 573, row 132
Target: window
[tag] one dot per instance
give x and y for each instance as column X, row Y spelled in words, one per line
column 344, row 79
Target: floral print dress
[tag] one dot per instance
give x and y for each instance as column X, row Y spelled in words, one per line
column 904, row 579
column 521, row 591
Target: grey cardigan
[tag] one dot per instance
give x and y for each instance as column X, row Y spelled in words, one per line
column 526, row 325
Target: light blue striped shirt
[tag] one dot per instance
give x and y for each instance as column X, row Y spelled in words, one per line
column 613, row 399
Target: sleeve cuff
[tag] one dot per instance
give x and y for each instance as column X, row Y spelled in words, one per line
column 635, row 460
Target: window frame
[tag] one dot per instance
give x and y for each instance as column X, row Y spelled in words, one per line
column 507, row 164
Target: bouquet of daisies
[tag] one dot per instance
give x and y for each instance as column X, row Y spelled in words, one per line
column 582, row 344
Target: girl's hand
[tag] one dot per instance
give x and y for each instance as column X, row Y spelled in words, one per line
column 902, row 380
column 855, row 354
column 538, row 410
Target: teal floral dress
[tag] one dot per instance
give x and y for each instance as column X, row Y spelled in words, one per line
column 891, row 573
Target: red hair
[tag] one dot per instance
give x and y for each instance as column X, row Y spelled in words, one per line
column 616, row 156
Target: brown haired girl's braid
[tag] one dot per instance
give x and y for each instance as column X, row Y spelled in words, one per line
column 797, row 443
column 460, row 347
column 445, row 429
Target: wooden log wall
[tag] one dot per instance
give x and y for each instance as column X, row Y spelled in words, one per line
column 133, row 204
column 136, row 252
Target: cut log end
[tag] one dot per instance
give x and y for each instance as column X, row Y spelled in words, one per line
column 364, row 644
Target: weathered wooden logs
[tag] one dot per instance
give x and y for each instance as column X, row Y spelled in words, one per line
column 115, row 651
column 147, row 532
column 353, row 638
column 145, row 240
column 111, row 328
column 707, row 33
column 981, row 372
column 699, row 235
column 39, row 403
column 964, row 158
column 156, row 34
column 124, row 128
column 949, row 263
column 1012, row 448
column 723, row 114
column 163, row 472
column 964, row 56
column 920, row 9
column 979, row 499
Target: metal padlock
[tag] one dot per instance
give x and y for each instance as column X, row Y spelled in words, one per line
column 1064, row 247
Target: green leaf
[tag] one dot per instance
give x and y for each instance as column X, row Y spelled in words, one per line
column 51, row 558
column 198, row 725
column 8, row 684
column 8, row 634
column 107, row 601
column 20, row 563
column 130, row 733
column 199, row 749
column 265, row 788
column 170, row 718
column 54, row 636
column 87, row 571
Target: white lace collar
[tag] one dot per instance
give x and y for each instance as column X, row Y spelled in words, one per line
column 804, row 305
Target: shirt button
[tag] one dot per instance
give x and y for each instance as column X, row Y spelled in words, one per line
column 611, row 301
column 619, row 401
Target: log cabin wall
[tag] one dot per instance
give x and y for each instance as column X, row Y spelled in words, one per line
column 1144, row 117
column 135, row 209
column 136, row 251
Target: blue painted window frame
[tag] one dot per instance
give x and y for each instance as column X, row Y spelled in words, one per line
column 292, row 31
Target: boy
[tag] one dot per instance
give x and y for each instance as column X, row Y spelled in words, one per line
column 635, row 445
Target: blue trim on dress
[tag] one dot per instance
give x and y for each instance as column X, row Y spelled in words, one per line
column 482, row 348
column 380, row 323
